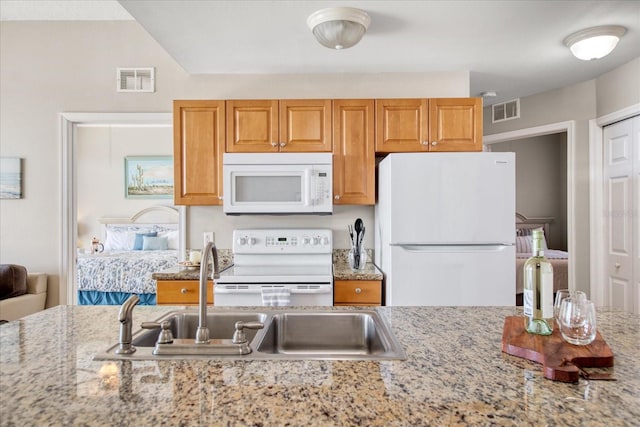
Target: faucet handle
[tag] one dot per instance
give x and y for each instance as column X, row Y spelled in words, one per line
column 239, row 336
column 166, row 336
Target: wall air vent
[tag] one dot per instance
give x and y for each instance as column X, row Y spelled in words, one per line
column 136, row 80
column 505, row 111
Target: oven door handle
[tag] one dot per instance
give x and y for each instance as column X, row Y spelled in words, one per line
column 256, row 290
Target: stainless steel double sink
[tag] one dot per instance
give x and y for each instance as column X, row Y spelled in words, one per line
column 287, row 335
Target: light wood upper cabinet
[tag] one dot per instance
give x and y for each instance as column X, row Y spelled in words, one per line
column 270, row 126
column 252, row 126
column 437, row 124
column 198, row 144
column 455, row 124
column 402, row 125
column 353, row 152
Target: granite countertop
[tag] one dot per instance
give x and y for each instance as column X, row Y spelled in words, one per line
column 341, row 269
column 455, row 374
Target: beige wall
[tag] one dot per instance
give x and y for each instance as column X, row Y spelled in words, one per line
column 618, row 89
column 100, row 185
column 541, row 181
column 51, row 67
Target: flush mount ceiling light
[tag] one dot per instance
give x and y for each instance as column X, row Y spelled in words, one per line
column 595, row 42
column 339, row 27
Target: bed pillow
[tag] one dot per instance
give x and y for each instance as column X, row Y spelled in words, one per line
column 154, row 243
column 172, row 236
column 118, row 239
column 137, row 245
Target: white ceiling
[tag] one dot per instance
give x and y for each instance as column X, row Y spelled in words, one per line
column 512, row 47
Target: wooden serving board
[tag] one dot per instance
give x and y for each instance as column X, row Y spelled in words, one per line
column 560, row 360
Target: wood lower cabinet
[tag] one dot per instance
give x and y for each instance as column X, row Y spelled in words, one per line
column 354, row 161
column 357, row 292
column 181, row 292
column 198, row 145
column 287, row 125
column 436, row 124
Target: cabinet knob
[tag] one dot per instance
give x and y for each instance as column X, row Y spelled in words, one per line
column 425, row 142
column 219, row 197
column 434, row 143
column 184, row 290
column 358, row 290
column 274, row 144
column 337, row 197
column 282, row 144
column 617, row 265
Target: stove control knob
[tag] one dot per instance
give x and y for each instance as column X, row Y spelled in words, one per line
column 242, row 241
column 306, row 240
column 316, row 241
column 325, row 240
column 252, row 241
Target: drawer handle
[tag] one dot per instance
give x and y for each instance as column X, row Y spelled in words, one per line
column 358, row 290
column 184, row 290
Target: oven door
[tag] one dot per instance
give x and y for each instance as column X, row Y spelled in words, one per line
column 250, row 294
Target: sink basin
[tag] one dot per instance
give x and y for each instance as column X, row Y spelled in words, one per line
column 290, row 334
column 184, row 324
column 327, row 334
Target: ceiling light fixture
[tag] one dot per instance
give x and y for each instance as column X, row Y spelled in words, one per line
column 595, row 42
column 339, row 27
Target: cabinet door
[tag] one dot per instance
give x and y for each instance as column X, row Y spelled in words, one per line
column 455, row 124
column 305, row 125
column 198, row 144
column 353, row 152
column 252, row 126
column 402, row 125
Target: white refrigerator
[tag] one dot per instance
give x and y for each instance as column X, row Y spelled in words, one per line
column 445, row 229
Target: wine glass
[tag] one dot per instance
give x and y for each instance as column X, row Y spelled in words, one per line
column 560, row 296
column 577, row 320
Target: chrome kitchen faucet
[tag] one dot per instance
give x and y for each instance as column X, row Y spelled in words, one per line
column 202, row 333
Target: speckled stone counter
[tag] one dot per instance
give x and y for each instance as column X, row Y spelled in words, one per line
column 342, row 271
column 225, row 259
column 455, row 374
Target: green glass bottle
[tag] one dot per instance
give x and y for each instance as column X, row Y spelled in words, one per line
column 538, row 289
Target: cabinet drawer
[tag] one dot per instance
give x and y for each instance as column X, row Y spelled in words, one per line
column 357, row 292
column 181, row 292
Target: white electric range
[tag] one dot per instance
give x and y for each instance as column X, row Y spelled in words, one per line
column 295, row 262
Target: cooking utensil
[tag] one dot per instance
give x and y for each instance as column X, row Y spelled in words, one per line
column 358, row 227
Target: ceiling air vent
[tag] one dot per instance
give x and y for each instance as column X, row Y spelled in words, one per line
column 136, row 80
column 505, row 111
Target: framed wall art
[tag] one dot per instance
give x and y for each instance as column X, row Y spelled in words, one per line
column 10, row 178
column 148, row 177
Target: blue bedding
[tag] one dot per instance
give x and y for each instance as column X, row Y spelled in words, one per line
column 112, row 298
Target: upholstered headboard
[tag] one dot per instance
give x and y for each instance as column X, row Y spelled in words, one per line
column 524, row 225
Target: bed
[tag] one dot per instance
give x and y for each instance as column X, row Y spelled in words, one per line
column 558, row 258
column 134, row 248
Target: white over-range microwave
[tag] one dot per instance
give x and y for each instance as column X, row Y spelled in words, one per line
column 277, row 183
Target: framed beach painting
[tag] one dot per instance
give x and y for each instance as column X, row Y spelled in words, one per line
column 148, row 177
column 10, row 178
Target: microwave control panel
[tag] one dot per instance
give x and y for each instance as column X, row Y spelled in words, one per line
column 323, row 186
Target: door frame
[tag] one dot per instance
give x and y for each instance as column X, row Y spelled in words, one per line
column 560, row 127
column 596, row 196
column 68, row 128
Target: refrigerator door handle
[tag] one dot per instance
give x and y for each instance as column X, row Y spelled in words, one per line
column 453, row 248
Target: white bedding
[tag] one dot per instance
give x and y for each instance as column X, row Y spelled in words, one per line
column 126, row 271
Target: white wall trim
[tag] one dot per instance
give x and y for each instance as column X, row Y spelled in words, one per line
column 68, row 234
column 569, row 128
column 598, row 272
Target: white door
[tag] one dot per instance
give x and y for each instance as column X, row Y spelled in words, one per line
column 621, row 198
